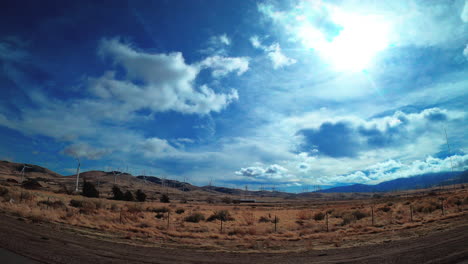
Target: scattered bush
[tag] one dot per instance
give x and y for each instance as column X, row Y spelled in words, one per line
column 348, row 219
column 210, row 200
column 385, row 209
column 359, row 215
column 195, row 218
column 128, row 196
column 159, row 215
column 264, row 219
column 319, row 216
column 222, row 215
column 180, row 211
column 31, row 184
column 304, row 215
column 226, row 200
column 53, row 204
column 76, row 203
column 3, row 191
column 89, row 190
column 161, row 209
column 118, row 194
column 164, row 199
column 140, row 195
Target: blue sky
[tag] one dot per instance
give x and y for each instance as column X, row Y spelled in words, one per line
column 264, row 93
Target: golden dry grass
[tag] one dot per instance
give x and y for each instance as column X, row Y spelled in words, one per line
column 299, row 225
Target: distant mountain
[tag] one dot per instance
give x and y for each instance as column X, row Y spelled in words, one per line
column 415, row 182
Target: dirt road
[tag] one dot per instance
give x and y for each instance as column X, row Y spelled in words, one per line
column 49, row 243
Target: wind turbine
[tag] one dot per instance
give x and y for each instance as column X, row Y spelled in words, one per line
column 77, row 175
column 22, row 171
column 115, row 176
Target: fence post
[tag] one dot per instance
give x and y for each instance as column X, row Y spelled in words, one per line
column 411, row 212
column 326, row 219
column 442, row 205
column 168, row 217
column 276, row 221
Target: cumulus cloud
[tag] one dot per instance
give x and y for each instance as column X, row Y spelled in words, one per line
column 347, row 137
column 83, row 150
column 273, row 172
column 393, row 169
column 162, row 82
column 221, row 66
column 274, row 53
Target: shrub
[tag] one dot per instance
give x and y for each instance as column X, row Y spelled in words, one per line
column 222, row 215
column 359, row 215
column 226, row 200
column 319, row 216
column 89, row 190
column 159, row 215
column 128, row 196
column 180, row 211
column 348, row 219
column 54, row 204
column 264, row 219
column 304, row 215
column 385, row 209
column 140, row 196
column 210, row 200
column 161, row 209
column 164, row 199
column 118, row 194
column 249, row 218
column 195, row 218
column 31, row 184
column 76, row 203
column 3, row 191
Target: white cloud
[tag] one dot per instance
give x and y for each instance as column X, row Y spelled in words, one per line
column 273, row 172
column 217, row 45
column 465, row 51
column 83, row 150
column 255, row 41
column 224, row 39
column 464, row 13
column 221, row 66
column 162, row 82
column 406, row 22
column 274, row 53
column 278, row 58
column 391, row 169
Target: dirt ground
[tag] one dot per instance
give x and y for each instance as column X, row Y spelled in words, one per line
column 52, row 243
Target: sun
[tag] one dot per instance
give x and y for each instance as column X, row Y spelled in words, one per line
column 353, row 48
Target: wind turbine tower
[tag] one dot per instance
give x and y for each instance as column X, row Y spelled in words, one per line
column 77, row 175
column 22, row 171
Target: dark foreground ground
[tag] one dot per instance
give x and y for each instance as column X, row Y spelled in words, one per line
column 21, row 241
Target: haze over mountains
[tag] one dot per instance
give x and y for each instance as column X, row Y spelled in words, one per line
column 415, row 182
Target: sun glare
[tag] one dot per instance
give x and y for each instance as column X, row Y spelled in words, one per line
column 354, row 47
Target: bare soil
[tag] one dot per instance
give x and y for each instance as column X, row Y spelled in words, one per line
column 52, row 243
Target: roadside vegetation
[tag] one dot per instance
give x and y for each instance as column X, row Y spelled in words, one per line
column 246, row 227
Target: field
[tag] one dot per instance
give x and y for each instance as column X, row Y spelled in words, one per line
column 204, row 225
column 299, row 225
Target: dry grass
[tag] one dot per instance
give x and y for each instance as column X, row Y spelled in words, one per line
column 250, row 229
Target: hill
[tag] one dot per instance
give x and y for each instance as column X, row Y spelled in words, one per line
column 400, row 184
